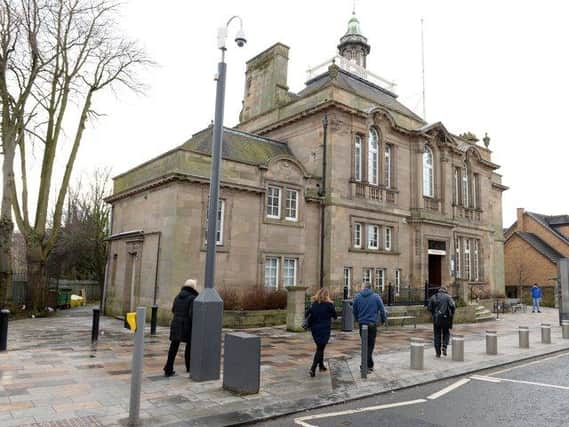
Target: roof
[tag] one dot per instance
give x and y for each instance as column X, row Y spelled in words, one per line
column 549, row 221
column 239, row 146
column 558, row 219
column 540, row 246
column 363, row 88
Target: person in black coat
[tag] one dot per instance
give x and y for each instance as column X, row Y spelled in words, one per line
column 442, row 307
column 181, row 326
column 320, row 315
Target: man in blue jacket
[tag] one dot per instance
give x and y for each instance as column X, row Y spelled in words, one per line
column 367, row 305
column 536, row 296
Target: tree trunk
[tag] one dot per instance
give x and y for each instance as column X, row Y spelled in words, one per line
column 6, row 224
column 37, row 278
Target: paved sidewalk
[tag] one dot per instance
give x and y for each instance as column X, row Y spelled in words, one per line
column 51, row 375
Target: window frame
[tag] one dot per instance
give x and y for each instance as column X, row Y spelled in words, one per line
column 458, row 254
column 387, row 165
column 397, row 281
column 348, row 279
column 373, row 157
column 467, row 260
column 428, row 172
column 476, row 256
column 366, row 270
column 295, row 270
column 380, row 285
column 279, row 200
column 296, row 193
column 388, row 237
column 219, row 234
column 465, row 187
column 358, row 158
column 375, row 229
column 357, row 237
column 277, row 271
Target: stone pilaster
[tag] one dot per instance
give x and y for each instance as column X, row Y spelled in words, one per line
column 295, row 308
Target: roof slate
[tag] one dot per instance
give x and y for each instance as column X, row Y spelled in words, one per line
column 545, row 221
column 540, row 246
column 239, row 146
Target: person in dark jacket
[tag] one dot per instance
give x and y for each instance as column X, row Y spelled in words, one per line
column 442, row 307
column 320, row 315
column 367, row 306
column 181, row 326
column 536, row 297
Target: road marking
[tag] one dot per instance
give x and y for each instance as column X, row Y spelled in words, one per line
column 448, row 389
column 529, row 364
column 499, row 380
column 302, row 421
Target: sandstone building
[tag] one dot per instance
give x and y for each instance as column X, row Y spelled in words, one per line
column 534, row 244
column 405, row 201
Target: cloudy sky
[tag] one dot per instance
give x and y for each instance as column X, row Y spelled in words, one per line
column 496, row 67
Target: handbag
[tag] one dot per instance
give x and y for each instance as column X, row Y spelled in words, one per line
column 306, row 321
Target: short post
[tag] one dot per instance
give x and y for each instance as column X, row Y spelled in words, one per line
column 363, row 366
column 545, row 333
column 137, row 365
column 95, row 326
column 565, row 329
column 417, row 355
column 347, row 316
column 457, row 343
column 4, row 329
column 153, row 319
column 345, row 292
column 242, row 363
column 523, row 333
column 491, row 342
column 389, row 294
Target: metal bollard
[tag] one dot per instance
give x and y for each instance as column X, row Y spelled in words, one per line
column 137, row 366
column 347, row 316
column 565, row 329
column 491, row 342
column 417, row 355
column 153, row 319
column 4, row 329
column 457, row 343
column 363, row 366
column 545, row 333
column 95, row 326
column 523, row 332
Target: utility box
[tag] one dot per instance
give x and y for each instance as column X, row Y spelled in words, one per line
column 563, row 266
column 347, row 316
column 242, row 363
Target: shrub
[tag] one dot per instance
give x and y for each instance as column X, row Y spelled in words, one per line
column 275, row 299
column 253, row 298
column 231, row 298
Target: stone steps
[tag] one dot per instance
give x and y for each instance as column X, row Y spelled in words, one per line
column 482, row 314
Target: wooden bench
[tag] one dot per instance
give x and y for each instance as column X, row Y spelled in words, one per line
column 402, row 318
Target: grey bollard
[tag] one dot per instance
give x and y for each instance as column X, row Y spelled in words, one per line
column 137, row 366
column 545, row 333
column 347, row 316
column 417, row 355
column 565, row 329
column 491, row 342
column 523, row 333
column 153, row 319
column 363, row 366
column 242, row 363
column 457, row 343
column 4, row 314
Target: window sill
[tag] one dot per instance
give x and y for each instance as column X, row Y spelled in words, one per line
column 284, row 222
column 373, row 251
column 220, row 249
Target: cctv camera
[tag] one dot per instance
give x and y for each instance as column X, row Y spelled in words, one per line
column 240, row 38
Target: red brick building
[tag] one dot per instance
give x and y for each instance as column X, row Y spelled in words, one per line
column 533, row 245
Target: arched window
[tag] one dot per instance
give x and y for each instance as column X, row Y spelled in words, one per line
column 466, row 185
column 428, row 182
column 358, row 158
column 372, row 166
column 387, row 166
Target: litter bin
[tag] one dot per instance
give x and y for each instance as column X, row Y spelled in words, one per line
column 347, row 316
column 64, row 297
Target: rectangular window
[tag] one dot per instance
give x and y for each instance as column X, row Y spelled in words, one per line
column 291, row 210
column 476, row 262
column 387, row 166
column 220, row 217
column 273, row 202
column 357, row 235
column 289, row 268
column 358, row 158
column 465, row 186
column 272, row 272
column 457, row 257
column 387, row 238
column 456, row 192
column 380, row 279
column 366, row 276
column 372, row 236
column 348, row 279
column 475, row 188
column 397, row 282
column 467, row 260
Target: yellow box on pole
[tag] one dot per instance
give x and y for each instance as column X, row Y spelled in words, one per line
column 131, row 321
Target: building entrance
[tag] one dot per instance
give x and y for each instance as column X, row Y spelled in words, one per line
column 435, row 271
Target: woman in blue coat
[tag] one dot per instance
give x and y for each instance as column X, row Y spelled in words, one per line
column 320, row 315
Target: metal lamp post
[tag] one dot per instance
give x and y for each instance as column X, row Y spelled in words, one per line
column 207, row 318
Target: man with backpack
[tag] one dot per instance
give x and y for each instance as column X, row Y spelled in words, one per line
column 442, row 307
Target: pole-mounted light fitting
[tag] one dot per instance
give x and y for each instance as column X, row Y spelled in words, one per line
column 239, row 36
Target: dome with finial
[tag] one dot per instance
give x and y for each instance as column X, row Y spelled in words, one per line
column 354, row 26
column 353, row 45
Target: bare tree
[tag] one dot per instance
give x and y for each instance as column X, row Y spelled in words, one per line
column 64, row 54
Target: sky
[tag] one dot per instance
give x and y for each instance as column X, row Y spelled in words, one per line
column 496, row 67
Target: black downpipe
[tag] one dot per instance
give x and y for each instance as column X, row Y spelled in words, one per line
column 323, row 200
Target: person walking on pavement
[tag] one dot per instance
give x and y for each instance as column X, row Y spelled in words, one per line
column 536, row 296
column 181, row 326
column 367, row 306
column 442, row 307
column 320, row 315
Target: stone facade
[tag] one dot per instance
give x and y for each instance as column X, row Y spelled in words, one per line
column 413, row 192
